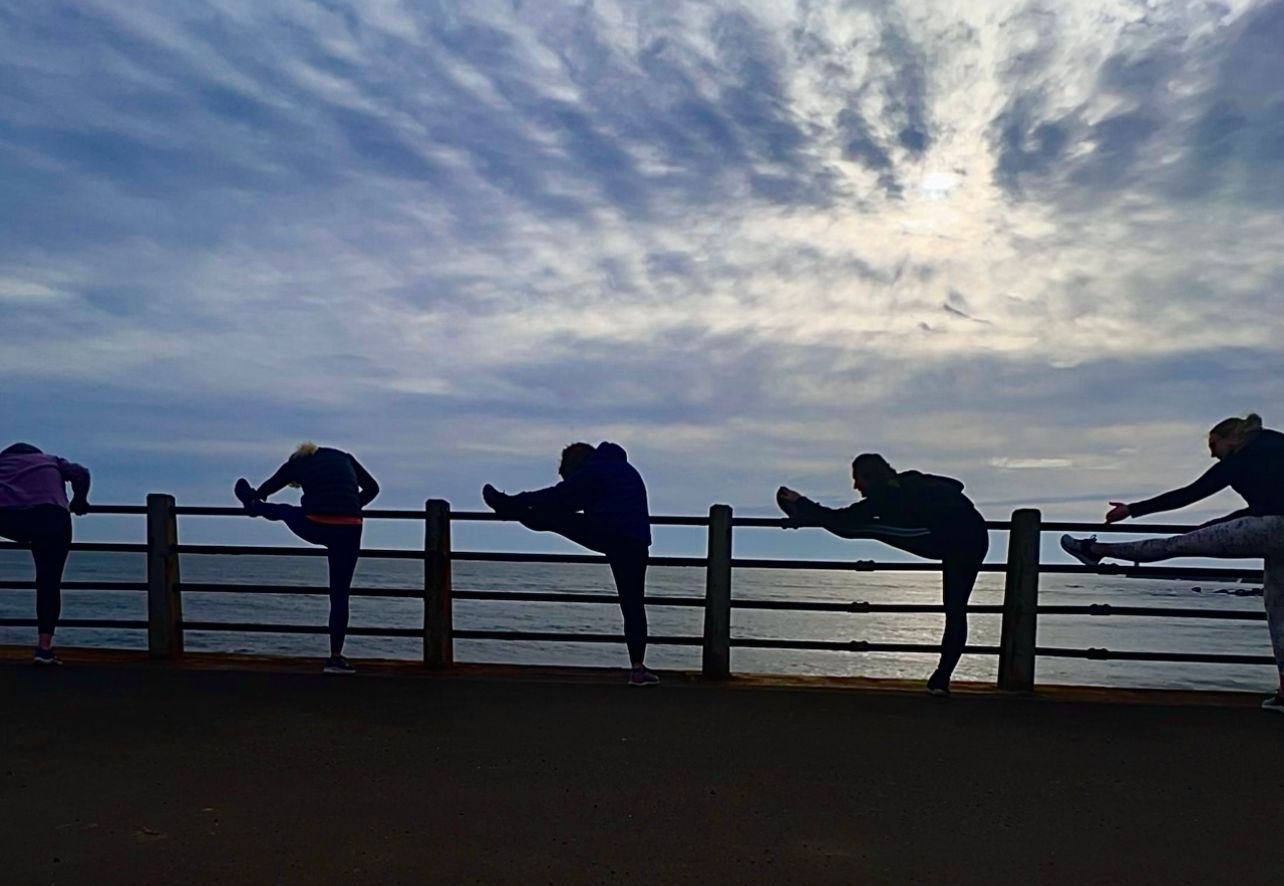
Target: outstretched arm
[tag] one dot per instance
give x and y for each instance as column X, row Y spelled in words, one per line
column 569, row 496
column 78, row 477
column 369, row 488
column 283, row 477
column 803, row 511
column 1215, row 479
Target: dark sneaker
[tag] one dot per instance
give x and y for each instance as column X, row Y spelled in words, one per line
column 938, row 686
column 643, row 676
column 245, row 494
column 496, row 500
column 1274, row 703
column 337, row 664
column 45, row 657
column 1080, row 549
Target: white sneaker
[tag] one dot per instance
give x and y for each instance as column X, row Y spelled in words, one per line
column 1274, row 703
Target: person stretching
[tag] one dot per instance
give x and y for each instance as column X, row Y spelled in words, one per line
column 335, row 489
column 600, row 504
column 34, row 511
column 922, row 514
column 1250, row 460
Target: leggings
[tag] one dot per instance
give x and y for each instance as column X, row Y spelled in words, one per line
column 1234, row 539
column 627, row 559
column 342, row 544
column 47, row 530
column 961, row 549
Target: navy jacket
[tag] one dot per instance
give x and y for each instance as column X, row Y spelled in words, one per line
column 334, row 483
column 1256, row 472
column 910, row 499
column 607, row 489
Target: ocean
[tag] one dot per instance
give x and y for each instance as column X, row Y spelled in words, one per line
column 1115, row 632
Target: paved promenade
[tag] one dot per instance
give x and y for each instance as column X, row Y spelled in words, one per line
column 120, row 772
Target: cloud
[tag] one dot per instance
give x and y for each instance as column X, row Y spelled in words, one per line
column 746, row 239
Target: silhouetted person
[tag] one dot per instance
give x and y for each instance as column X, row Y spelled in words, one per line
column 600, row 504
column 335, row 489
column 922, row 514
column 1250, row 460
column 34, row 511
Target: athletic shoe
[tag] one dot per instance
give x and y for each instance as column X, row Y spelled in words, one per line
column 938, row 686
column 245, row 494
column 497, row 501
column 45, row 657
column 1274, row 703
column 337, row 664
column 1080, row 549
column 643, row 676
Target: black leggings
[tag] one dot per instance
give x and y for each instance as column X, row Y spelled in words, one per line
column 342, row 546
column 961, row 549
column 47, row 529
column 627, row 559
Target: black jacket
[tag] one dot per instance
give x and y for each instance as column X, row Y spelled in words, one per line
column 910, row 499
column 1256, row 472
column 334, row 483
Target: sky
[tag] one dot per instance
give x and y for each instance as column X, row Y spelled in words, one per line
column 1035, row 246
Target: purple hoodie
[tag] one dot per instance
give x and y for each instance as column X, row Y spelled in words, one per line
column 29, row 478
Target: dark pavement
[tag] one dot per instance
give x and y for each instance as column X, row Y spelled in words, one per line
column 146, row 774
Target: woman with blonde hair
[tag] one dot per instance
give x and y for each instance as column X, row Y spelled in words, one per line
column 1250, row 460
column 335, row 489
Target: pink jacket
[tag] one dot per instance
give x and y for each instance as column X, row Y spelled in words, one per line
column 30, row 478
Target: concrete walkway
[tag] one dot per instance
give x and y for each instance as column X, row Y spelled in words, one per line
column 113, row 773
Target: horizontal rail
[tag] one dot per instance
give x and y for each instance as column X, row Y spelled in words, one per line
column 567, row 637
column 78, row 586
column 238, row 627
column 520, row 557
column 1096, row 654
column 115, row 623
column 1152, row 612
column 318, row 590
column 545, row 597
column 98, row 547
column 292, row 551
column 851, row 646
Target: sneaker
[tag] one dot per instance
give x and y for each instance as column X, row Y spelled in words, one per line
column 497, row 501
column 337, row 664
column 1080, row 549
column 245, row 494
column 643, row 676
column 1274, row 703
column 45, row 657
column 938, row 686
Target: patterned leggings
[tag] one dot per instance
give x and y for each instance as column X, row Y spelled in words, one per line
column 1241, row 538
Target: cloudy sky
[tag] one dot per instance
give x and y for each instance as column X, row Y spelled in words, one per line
column 1033, row 245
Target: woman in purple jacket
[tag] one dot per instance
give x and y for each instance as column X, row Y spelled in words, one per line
column 34, row 511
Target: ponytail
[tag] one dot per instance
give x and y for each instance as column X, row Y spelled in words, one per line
column 1238, row 430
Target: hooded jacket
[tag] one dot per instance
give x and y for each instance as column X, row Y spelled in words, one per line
column 29, row 478
column 607, row 489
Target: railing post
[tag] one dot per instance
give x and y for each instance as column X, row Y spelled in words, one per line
column 1020, row 603
column 439, row 648
column 716, row 661
column 164, row 606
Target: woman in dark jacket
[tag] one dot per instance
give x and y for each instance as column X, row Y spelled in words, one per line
column 1250, row 460
column 335, row 489
column 922, row 514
